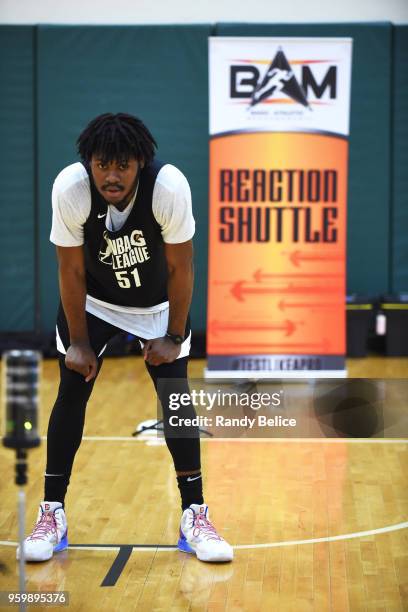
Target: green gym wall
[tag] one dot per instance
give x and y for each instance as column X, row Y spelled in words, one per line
column 56, row 78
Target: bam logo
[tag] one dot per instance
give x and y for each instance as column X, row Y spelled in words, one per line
column 246, row 82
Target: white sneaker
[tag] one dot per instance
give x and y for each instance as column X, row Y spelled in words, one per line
column 198, row 536
column 49, row 534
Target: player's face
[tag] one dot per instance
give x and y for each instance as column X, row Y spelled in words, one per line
column 115, row 180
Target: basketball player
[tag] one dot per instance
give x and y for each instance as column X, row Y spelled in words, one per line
column 123, row 227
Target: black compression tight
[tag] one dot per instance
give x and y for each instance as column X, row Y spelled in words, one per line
column 67, row 419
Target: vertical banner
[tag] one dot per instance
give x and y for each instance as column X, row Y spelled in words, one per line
column 279, row 127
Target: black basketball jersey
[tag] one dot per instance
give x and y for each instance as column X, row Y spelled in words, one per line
column 126, row 267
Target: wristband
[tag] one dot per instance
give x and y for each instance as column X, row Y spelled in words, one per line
column 175, row 338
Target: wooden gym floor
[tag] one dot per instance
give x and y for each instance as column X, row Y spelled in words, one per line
column 317, row 525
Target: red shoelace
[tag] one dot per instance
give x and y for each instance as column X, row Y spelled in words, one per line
column 203, row 525
column 46, row 524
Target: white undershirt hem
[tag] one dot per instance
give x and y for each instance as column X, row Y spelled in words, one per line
column 128, row 309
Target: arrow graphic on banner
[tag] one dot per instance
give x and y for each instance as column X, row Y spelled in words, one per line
column 287, row 326
column 324, row 346
column 284, row 305
column 239, row 289
column 296, row 257
column 259, row 275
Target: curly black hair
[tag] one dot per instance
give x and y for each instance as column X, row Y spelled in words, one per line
column 116, row 137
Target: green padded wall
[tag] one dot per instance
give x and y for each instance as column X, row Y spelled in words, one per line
column 159, row 73
column 399, row 244
column 369, row 176
column 56, row 78
column 17, row 280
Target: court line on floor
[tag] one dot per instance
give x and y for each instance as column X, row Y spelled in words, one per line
column 312, row 440
column 346, row 536
column 117, row 566
column 164, row 547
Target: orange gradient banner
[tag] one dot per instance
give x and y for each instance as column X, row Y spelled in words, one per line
column 277, row 244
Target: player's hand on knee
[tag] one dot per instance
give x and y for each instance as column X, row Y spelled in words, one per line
column 82, row 359
column 160, row 350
